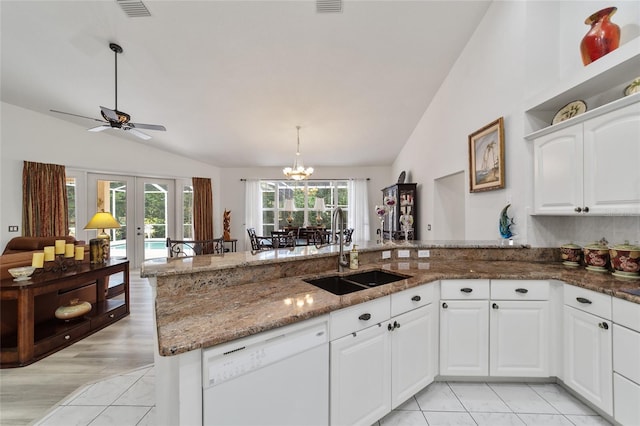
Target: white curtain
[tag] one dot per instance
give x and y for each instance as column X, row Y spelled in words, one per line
column 359, row 209
column 252, row 206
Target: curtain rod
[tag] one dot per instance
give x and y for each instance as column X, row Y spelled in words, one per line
column 285, row 180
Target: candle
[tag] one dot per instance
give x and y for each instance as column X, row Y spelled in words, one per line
column 37, row 261
column 60, row 246
column 69, row 250
column 79, row 253
column 49, row 253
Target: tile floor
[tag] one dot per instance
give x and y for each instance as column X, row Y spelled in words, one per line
column 128, row 399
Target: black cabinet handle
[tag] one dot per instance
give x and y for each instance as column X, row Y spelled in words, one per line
column 522, row 290
column 396, row 324
column 466, row 290
column 583, row 300
column 445, row 306
column 365, row 317
column 495, row 306
column 389, row 327
column 586, row 209
column 578, row 209
column 604, row 325
column 416, row 298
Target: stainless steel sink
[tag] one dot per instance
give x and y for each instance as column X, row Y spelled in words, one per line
column 374, row 278
column 345, row 284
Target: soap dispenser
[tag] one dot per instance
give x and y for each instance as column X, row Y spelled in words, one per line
column 353, row 258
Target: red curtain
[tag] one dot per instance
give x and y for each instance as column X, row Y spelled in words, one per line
column 44, row 200
column 202, row 209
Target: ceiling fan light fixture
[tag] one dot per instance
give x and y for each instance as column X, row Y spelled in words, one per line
column 298, row 171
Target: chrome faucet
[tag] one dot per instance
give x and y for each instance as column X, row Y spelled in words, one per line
column 339, row 214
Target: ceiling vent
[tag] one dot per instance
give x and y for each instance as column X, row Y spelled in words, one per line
column 328, row 6
column 134, row 8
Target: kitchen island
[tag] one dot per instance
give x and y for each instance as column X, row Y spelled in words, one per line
column 205, row 301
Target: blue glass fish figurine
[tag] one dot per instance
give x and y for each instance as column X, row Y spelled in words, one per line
column 505, row 223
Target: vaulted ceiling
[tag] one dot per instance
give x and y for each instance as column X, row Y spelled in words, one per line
column 231, row 80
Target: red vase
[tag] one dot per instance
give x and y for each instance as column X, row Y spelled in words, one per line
column 602, row 38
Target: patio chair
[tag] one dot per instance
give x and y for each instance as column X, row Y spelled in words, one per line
column 178, row 248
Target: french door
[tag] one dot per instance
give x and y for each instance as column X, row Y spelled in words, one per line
column 145, row 208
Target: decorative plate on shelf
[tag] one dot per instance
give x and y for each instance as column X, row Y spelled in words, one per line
column 632, row 88
column 570, row 110
column 402, row 176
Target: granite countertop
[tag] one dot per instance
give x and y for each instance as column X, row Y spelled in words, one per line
column 201, row 318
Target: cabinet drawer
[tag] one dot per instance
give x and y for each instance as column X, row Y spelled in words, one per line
column 588, row 301
column 626, row 313
column 626, row 352
column 626, row 395
column 61, row 339
column 464, row 289
column 358, row 317
column 100, row 321
column 412, row 298
column 519, row 290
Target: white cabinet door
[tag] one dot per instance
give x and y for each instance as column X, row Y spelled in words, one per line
column 361, row 377
column 558, row 168
column 611, row 162
column 519, row 339
column 464, row 339
column 588, row 366
column 413, row 352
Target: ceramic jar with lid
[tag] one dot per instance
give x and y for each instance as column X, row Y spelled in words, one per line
column 571, row 254
column 625, row 260
column 596, row 257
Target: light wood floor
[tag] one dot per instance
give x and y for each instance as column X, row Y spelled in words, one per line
column 27, row 393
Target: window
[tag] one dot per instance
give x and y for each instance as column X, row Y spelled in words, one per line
column 278, row 213
column 71, row 205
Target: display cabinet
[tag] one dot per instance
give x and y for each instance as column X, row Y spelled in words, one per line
column 405, row 196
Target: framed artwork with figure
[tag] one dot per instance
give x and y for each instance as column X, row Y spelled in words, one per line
column 486, row 157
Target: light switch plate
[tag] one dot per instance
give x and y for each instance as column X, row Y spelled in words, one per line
column 404, row 253
column 424, row 253
column 386, row 254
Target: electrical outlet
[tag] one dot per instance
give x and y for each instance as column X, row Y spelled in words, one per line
column 13, row 228
column 403, row 253
column 424, row 253
column 404, row 265
column 386, row 254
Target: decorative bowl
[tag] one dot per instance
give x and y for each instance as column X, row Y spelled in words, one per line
column 21, row 273
column 76, row 308
column 571, row 254
column 625, row 260
column 596, row 257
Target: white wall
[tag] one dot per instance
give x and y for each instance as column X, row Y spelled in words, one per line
column 31, row 136
column 518, row 50
column 233, row 189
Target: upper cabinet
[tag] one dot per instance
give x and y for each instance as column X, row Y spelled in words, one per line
column 589, row 164
column 591, row 167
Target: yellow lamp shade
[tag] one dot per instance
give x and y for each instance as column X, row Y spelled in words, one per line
column 102, row 220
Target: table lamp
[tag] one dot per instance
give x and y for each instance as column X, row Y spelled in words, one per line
column 100, row 246
column 319, row 207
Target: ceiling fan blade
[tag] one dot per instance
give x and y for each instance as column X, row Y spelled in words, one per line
column 137, row 133
column 147, row 126
column 99, row 128
column 109, row 113
column 76, row 115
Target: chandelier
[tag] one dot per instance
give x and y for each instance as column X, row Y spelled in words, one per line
column 298, row 171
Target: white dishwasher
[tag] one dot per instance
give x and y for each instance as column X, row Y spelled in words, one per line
column 278, row 377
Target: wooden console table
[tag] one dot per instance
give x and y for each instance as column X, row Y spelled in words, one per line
column 29, row 329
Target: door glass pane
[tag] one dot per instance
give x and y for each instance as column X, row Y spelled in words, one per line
column 156, row 205
column 71, row 205
column 187, row 212
column 112, row 197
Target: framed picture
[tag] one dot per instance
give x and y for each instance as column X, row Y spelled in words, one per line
column 486, row 157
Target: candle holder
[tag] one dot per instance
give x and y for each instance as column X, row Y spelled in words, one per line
column 59, row 263
column 381, row 211
column 406, row 221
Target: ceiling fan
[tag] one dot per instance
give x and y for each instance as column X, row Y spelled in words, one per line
column 117, row 119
